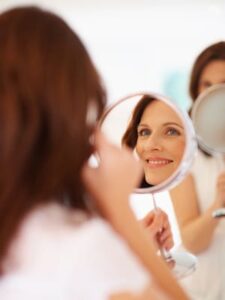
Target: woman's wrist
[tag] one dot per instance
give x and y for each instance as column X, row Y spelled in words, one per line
column 217, row 203
column 210, row 211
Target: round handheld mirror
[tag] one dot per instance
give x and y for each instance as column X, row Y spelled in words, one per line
column 159, row 134
column 208, row 115
column 162, row 138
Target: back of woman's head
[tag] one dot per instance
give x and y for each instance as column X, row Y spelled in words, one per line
column 211, row 53
column 47, row 83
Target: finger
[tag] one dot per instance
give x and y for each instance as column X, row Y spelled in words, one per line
column 101, row 143
column 166, row 240
column 168, row 244
column 171, row 264
column 157, row 224
column 148, row 219
column 163, row 218
column 165, row 234
column 153, row 232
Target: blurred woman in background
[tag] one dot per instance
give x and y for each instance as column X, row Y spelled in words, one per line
column 202, row 192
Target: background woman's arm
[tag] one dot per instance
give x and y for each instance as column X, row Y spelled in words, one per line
column 196, row 229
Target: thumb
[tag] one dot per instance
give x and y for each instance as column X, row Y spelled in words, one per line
column 148, row 219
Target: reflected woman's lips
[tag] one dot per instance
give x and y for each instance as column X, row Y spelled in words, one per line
column 158, row 162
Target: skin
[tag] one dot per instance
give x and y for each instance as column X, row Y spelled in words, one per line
column 213, row 73
column 157, row 226
column 197, row 228
column 119, row 172
column 161, row 142
column 152, row 293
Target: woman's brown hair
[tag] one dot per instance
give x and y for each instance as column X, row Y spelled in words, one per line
column 211, row 53
column 47, row 83
column 129, row 138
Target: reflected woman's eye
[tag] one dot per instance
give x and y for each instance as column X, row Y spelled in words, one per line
column 144, row 132
column 205, row 84
column 172, row 132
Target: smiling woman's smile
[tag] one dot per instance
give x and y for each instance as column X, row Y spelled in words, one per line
column 158, row 162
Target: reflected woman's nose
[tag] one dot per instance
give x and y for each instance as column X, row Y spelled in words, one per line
column 153, row 143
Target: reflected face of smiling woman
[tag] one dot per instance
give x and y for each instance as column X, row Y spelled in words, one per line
column 160, row 142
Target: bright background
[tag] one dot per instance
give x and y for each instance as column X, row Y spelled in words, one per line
column 142, row 44
column 147, row 45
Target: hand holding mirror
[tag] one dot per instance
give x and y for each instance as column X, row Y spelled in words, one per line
column 160, row 136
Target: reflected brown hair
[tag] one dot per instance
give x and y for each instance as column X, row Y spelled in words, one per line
column 129, row 138
column 213, row 52
column 47, row 81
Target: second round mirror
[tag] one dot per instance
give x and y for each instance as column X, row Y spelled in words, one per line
column 208, row 115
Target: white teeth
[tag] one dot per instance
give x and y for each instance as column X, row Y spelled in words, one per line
column 158, row 162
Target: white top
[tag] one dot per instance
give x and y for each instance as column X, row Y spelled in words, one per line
column 208, row 281
column 59, row 255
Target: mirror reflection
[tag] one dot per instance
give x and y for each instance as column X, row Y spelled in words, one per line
column 155, row 131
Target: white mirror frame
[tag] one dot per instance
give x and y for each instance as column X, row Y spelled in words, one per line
column 194, row 113
column 190, row 140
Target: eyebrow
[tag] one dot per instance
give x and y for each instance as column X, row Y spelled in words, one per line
column 208, row 82
column 173, row 123
column 164, row 124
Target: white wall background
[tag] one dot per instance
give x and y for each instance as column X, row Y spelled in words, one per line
column 136, row 43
